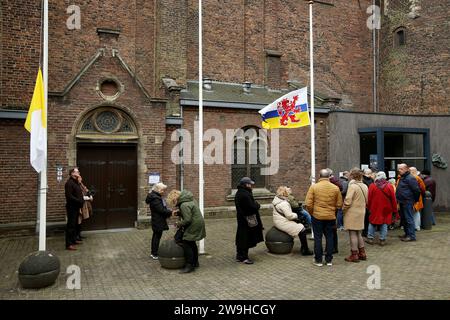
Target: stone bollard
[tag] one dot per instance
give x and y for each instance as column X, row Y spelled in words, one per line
column 279, row 242
column 39, row 269
column 171, row 255
column 427, row 211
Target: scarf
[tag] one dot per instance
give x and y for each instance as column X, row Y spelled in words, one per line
column 381, row 183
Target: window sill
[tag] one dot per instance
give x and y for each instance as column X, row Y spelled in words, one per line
column 258, row 194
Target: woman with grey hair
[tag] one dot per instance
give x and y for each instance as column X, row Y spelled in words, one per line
column 160, row 214
column 382, row 204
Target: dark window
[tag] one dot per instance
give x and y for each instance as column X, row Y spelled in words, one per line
column 368, row 147
column 385, row 148
column 399, row 37
column 273, row 69
column 404, row 147
column 249, row 154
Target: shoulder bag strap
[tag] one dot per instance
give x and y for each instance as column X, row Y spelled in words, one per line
column 362, row 193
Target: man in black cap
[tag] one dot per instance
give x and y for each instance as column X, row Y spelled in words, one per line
column 249, row 225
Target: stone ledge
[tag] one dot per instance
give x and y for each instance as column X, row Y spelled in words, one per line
column 258, row 194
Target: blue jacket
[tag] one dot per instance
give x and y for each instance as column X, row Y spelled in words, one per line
column 408, row 190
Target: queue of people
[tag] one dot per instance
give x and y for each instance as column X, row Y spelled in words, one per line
column 361, row 202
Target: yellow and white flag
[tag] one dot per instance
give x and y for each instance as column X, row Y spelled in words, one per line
column 36, row 124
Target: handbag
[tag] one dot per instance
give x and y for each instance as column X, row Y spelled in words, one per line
column 251, row 220
column 179, row 235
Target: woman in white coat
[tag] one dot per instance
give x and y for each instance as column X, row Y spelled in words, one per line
column 284, row 219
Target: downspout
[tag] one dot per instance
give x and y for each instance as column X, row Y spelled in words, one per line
column 182, row 151
column 374, row 86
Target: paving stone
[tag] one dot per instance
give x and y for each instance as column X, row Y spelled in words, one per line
column 118, row 266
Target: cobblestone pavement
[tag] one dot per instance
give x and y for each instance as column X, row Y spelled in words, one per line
column 116, row 265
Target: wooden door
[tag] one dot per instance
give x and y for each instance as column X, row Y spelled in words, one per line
column 110, row 171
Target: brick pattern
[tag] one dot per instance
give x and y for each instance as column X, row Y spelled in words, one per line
column 19, row 179
column 66, row 114
column 414, row 78
column 294, row 153
column 234, row 47
column 160, row 38
column 19, row 51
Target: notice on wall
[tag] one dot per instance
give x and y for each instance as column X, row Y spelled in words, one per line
column 391, row 174
column 153, row 178
column 364, row 166
column 374, row 161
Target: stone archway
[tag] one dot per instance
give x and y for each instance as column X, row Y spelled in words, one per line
column 107, row 146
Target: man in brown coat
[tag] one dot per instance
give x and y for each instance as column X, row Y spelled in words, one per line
column 322, row 201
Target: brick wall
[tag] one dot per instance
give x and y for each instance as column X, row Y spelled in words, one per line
column 161, row 39
column 294, row 153
column 19, row 180
column 234, row 47
column 19, row 51
column 415, row 78
column 65, row 115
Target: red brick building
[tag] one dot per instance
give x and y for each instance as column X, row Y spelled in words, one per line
column 121, row 84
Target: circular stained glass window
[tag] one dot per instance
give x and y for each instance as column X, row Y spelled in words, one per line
column 107, row 121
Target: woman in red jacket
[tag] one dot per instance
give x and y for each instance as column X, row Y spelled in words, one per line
column 381, row 204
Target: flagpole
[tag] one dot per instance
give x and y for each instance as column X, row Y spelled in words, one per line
column 43, row 175
column 41, row 268
column 311, row 68
column 200, row 119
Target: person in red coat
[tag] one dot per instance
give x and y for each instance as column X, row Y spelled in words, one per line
column 381, row 204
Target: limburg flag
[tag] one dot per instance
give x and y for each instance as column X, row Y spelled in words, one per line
column 289, row 111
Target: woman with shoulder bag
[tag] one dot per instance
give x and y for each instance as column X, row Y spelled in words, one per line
column 191, row 220
column 354, row 212
column 249, row 226
column 382, row 204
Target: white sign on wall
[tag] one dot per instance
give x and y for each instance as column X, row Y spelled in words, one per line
column 153, row 178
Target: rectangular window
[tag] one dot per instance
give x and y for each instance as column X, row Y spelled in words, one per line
column 388, row 147
column 273, row 69
column 404, row 147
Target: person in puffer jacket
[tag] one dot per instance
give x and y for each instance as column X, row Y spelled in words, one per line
column 284, row 219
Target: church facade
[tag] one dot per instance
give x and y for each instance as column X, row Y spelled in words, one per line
column 125, row 78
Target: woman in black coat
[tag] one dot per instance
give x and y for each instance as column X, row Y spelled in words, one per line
column 160, row 214
column 247, row 236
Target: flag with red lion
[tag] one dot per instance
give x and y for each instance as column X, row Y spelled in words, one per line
column 289, row 111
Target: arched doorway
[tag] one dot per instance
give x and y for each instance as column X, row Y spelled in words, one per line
column 107, row 158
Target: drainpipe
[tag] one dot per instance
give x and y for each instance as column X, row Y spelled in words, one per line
column 182, row 152
column 374, row 86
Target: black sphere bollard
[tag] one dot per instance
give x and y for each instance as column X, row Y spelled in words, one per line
column 279, row 242
column 171, row 255
column 39, row 269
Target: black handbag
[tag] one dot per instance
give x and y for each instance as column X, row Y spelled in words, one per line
column 179, row 235
column 252, row 221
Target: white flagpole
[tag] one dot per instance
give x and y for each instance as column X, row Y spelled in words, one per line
column 311, row 68
column 200, row 119
column 43, row 175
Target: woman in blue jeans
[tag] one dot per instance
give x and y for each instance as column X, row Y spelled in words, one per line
column 381, row 204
